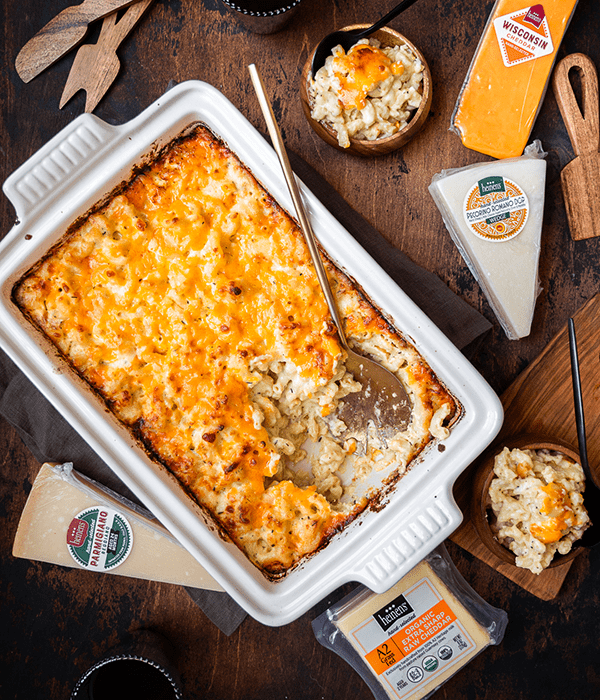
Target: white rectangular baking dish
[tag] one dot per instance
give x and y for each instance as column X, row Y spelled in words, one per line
column 77, row 168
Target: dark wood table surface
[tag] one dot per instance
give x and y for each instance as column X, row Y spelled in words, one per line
column 56, row 622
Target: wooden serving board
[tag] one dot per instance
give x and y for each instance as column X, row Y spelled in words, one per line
column 580, row 178
column 540, row 401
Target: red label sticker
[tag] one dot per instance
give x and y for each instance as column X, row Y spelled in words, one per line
column 77, row 532
column 535, row 15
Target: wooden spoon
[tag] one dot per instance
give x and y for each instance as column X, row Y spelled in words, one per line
column 96, row 65
column 61, row 34
column 581, row 177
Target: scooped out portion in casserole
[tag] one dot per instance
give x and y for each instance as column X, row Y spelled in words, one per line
column 188, row 301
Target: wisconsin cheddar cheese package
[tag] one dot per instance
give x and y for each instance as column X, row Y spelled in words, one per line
column 504, row 88
column 407, row 642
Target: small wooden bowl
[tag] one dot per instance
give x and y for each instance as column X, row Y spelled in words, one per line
column 481, row 508
column 387, row 144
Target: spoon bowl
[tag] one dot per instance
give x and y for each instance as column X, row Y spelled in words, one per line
column 382, row 400
column 346, row 38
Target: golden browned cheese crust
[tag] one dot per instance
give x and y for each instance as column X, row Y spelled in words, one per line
column 188, row 301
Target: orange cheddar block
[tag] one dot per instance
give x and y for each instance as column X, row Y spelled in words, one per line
column 508, row 76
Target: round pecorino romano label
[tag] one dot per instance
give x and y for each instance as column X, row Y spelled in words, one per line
column 99, row 538
column 496, row 208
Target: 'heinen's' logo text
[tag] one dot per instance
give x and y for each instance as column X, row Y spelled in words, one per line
column 393, row 611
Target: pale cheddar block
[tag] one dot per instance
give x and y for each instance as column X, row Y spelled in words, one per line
column 63, row 506
column 415, row 636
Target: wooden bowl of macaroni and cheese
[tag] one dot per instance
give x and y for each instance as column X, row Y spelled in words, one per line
column 527, row 502
column 371, row 100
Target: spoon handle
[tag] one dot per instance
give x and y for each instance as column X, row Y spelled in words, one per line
column 405, row 4
column 290, row 179
column 578, row 401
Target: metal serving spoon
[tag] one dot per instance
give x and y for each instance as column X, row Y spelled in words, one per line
column 591, row 495
column 383, row 398
column 347, row 39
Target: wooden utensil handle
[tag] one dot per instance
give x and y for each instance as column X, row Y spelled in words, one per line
column 61, row 34
column 583, row 128
column 113, row 32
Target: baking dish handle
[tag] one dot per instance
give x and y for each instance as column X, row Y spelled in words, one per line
column 403, row 547
column 31, row 187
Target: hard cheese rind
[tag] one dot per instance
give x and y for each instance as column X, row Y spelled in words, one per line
column 506, row 270
column 59, row 494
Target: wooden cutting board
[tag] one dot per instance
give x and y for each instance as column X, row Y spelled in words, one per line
column 581, row 177
column 540, row 401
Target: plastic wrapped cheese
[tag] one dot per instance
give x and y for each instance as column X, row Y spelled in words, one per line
column 494, row 213
column 506, row 82
column 407, row 642
column 73, row 521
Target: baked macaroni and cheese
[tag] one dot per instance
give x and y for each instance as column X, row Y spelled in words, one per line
column 537, row 498
column 188, row 301
column 368, row 93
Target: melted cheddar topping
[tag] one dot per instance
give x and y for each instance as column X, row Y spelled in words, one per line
column 189, row 302
column 359, row 71
column 559, row 511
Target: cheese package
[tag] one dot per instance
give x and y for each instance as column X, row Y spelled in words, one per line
column 73, row 521
column 407, row 642
column 494, row 213
column 508, row 76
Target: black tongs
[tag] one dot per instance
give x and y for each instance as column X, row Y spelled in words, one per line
column 591, row 495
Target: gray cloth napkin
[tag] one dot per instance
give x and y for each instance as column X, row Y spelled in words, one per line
column 51, row 438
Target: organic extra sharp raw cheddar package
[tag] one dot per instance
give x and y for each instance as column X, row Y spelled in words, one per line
column 508, row 76
column 407, row 642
